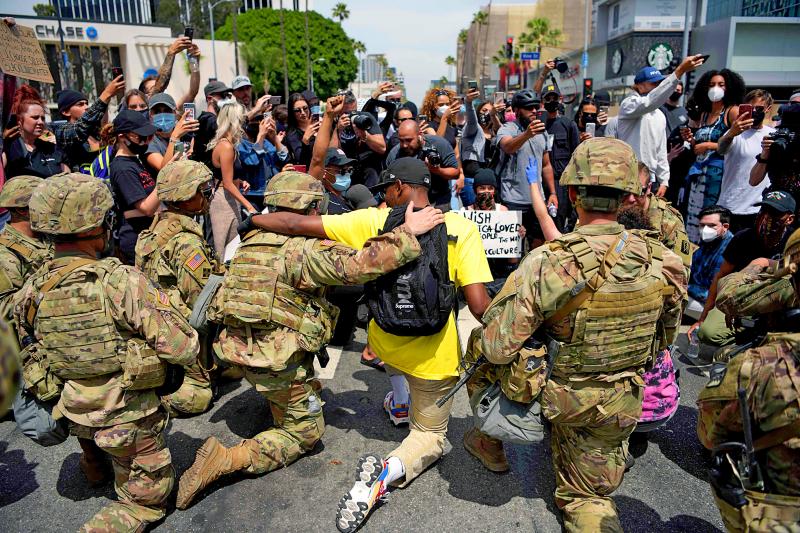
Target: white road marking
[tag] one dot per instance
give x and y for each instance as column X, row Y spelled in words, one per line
column 328, row 372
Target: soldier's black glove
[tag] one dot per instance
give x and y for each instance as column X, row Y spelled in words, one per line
column 246, row 225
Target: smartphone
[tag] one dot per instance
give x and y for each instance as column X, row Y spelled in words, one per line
column 188, row 31
column 499, row 97
column 189, row 106
column 472, row 85
column 301, row 168
column 180, row 147
column 275, row 100
column 315, row 113
column 745, row 108
column 541, row 115
column 591, row 128
column 12, row 121
column 116, row 72
column 603, row 109
column 705, row 58
column 422, row 118
column 267, row 115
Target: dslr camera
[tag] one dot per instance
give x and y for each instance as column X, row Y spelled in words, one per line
column 363, row 121
column 561, row 65
column 430, row 153
column 784, row 152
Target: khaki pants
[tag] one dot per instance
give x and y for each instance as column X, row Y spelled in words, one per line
column 226, row 214
column 424, row 444
column 714, row 330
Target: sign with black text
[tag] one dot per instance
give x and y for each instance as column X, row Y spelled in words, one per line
column 499, row 231
column 21, row 54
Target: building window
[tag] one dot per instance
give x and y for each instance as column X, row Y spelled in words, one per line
column 615, row 17
column 771, row 8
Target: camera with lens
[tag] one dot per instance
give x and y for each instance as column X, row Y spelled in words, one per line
column 430, row 153
column 561, row 65
column 363, row 121
column 783, row 152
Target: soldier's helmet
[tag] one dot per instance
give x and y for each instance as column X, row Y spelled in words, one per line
column 602, row 162
column 295, row 190
column 69, row 203
column 179, row 180
column 17, row 191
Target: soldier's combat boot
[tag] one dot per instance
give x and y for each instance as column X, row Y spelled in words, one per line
column 487, row 450
column 213, row 461
column 94, row 464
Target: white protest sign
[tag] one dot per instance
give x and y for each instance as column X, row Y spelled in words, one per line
column 499, row 231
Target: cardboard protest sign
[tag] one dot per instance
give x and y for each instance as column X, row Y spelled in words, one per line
column 499, row 231
column 21, row 54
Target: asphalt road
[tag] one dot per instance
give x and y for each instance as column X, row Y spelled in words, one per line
column 42, row 489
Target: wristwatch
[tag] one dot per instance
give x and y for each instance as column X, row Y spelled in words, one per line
column 761, row 159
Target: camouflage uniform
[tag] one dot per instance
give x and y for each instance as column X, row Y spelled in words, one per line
column 668, row 222
column 20, row 255
column 272, row 304
column 594, row 395
column 85, row 326
column 173, row 254
column 9, row 366
column 770, row 376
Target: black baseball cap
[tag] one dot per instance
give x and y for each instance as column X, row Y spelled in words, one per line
column 128, row 121
column 337, row 157
column 780, row 201
column 215, row 87
column 550, row 88
column 406, row 169
column 360, row 197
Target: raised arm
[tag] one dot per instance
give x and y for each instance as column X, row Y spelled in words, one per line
column 165, row 70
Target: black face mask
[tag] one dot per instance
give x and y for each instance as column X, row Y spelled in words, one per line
column 484, row 118
column 551, row 107
column 136, row 148
column 758, row 117
column 590, row 118
column 675, row 96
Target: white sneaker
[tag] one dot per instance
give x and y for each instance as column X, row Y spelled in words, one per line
column 398, row 412
column 370, row 487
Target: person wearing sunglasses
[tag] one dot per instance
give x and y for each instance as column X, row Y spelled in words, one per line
column 741, row 146
column 173, row 254
column 301, row 130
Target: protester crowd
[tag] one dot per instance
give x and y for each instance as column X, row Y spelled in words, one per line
column 706, row 152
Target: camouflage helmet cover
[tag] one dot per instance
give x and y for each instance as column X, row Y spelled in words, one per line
column 179, row 180
column 17, row 191
column 791, row 253
column 69, row 203
column 293, row 190
column 603, row 162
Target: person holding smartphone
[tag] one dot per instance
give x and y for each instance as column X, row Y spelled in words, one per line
column 170, row 128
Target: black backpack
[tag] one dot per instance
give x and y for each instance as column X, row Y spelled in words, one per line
column 417, row 298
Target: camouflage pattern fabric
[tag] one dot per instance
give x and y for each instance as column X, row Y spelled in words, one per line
column 143, row 472
column 179, row 180
column 20, row 257
column 69, row 203
column 9, row 366
column 174, row 255
column 770, row 375
column 273, row 356
column 671, row 230
column 753, row 291
column 293, row 190
column 135, row 308
column 593, row 414
column 17, row 191
column 603, row 162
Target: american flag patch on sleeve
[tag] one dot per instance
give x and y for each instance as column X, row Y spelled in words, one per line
column 195, row 261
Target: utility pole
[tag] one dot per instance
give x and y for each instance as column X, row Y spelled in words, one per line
column 64, row 57
column 235, row 39
column 285, row 64
column 309, row 67
column 685, row 47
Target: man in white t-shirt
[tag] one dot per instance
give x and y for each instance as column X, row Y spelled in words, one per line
column 740, row 145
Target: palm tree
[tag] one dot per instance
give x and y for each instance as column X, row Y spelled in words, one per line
column 481, row 18
column 360, row 49
column 383, row 63
column 340, row 12
column 450, row 61
column 541, row 34
column 462, row 36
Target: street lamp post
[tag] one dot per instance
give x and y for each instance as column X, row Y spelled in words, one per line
column 211, row 7
column 311, row 67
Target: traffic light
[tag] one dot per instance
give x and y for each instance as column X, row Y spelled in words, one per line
column 509, row 47
column 588, row 87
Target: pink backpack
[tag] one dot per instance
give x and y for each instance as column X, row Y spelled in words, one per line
column 661, row 393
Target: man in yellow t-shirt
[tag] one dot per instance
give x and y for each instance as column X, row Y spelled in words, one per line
column 429, row 363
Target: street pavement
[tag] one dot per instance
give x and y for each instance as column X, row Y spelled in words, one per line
column 42, row 489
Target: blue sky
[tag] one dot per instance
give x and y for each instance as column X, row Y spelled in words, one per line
column 415, row 35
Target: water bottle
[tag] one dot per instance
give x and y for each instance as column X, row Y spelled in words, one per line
column 693, row 351
column 552, row 210
column 313, row 404
column 194, row 63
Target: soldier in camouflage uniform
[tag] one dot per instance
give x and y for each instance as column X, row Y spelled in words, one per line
column 605, row 294
column 90, row 320
column 272, row 303
column 9, row 366
column 770, row 377
column 21, row 251
column 174, row 255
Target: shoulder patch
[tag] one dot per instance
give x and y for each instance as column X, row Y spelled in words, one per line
column 162, row 297
column 328, row 242
column 195, row 260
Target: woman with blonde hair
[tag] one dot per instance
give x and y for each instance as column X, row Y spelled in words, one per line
column 227, row 204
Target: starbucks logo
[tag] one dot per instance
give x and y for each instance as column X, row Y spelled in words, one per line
column 660, row 55
column 616, row 61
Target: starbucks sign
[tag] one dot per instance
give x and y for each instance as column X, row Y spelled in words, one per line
column 660, row 55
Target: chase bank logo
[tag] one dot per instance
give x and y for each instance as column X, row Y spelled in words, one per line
column 91, row 32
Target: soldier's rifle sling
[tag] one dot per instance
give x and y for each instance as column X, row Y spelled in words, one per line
column 468, row 373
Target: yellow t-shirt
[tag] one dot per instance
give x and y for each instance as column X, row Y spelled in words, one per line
column 433, row 357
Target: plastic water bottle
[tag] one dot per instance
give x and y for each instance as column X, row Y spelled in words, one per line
column 552, row 210
column 693, row 351
column 313, row 404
